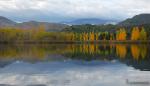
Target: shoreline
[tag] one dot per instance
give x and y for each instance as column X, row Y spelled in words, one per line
column 78, row 42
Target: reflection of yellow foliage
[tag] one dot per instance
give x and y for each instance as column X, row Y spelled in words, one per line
column 32, row 52
column 96, row 48
column 143, row 50
column 73, row 48
column 135, row 51
column 91, row 48
column 92, row 36
column 40, row 52
column 22, row 53
column 121, row 50
column 111, row 48
column 80, row 47
column 85, row 48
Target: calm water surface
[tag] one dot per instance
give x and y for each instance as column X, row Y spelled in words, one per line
column 75, row 65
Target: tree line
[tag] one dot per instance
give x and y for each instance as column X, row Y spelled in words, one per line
column 9, row 34
column 120, row 35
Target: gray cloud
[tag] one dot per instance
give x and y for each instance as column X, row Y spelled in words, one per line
column 59, row 10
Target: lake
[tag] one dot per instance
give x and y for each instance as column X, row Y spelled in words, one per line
column 75, row 65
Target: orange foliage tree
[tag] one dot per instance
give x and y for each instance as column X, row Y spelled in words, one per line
column 121, row 34
column 91, row 36
column 135, row 35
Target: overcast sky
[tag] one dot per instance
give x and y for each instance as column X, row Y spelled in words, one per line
column 62, row 10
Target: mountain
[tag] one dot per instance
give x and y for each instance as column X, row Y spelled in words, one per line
column 48, row 26
column 93, row 21
column 6, row 22
column 140, row 19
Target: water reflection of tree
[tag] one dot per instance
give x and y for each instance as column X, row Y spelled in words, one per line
column 143, row 50
column 121, row 50
column 91, row 52
column 139, row 57
column 139, row 51
column 132, row 55
column 75, row 51
column 30, row 52
column 135, row 52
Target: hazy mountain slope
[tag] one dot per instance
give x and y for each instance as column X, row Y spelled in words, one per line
column 6, row 22
column 47, row 25
column 136, row 20
column 94, row 21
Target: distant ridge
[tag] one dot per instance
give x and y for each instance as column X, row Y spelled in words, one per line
column 5, row 22
column 48, row 26
column 140, row 19
column 93, row 21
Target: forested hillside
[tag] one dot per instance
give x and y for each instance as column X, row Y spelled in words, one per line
column 49, row 32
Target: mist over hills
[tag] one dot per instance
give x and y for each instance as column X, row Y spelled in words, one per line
column 5, row 22
column 93, row 21
column 137, row 20
column 36, row 24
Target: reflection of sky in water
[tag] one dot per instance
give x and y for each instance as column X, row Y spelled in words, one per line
column 72, row 73
column 66, row 65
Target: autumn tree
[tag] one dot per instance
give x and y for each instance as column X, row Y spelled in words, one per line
column 96, row 36
column 91, row 36
column 135, row 35
column 143, row 34
column 121, row 34
column 85, row 36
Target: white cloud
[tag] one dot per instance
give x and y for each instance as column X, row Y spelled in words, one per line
column 111, row 9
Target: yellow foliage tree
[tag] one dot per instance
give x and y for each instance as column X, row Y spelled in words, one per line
column 91, row 36
column 121, row 34
column 85, row 36
column 135, row 35
column 143, row 34
column 96, row 36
